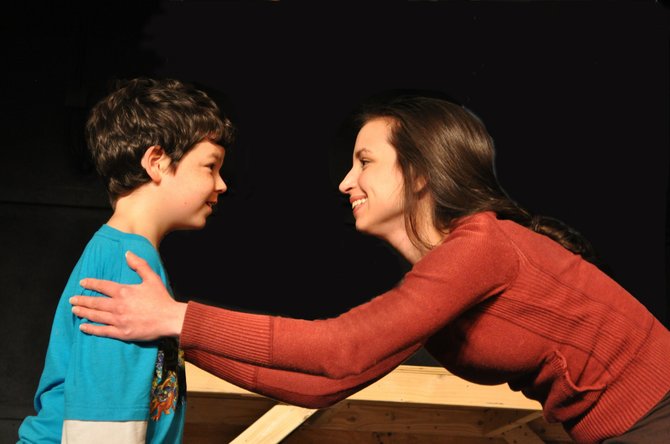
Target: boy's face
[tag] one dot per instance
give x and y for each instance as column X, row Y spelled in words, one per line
column 192, row 190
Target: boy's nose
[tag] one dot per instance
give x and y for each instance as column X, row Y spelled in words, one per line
column 221, row 186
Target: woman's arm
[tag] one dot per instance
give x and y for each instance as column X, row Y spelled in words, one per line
column 295, row 388
column 472, row 264
column 469, row 267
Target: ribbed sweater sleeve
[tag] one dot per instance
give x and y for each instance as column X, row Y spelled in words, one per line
column 437, row 290
column 296, row 388
column 235, row 335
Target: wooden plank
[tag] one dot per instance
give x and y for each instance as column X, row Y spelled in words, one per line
column 522, row 435
column 312, row 436
column 497, row 422
column 411, row 384
column 408, row 384
column 200, row 381
column 411, row 404
column 274, row 425
column 202, row 409
column 398, row 419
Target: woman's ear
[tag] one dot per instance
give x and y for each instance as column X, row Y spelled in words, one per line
column 419, row 184
column 155, row 162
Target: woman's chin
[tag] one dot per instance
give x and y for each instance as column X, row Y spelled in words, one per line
column 361, row 227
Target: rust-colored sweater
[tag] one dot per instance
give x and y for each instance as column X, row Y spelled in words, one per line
column 494, row 303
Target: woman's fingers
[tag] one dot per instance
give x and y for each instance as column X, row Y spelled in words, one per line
column 109, row 288
column 113, row 289
column 96, row 309
column 93, row 302
column 92, row 314
column 140, row 266
column 102, row 330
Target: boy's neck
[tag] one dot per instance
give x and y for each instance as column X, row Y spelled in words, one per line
column 132, row 215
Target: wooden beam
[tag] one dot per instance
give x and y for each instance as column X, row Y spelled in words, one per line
column 522, row 435
column 497, row 422
column 274, row 425
column 407, row 384
column 412, row 401
column 411, row 384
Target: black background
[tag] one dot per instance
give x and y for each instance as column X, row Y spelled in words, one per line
column 575, row 95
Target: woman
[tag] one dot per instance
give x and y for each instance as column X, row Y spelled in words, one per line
column 494, row 294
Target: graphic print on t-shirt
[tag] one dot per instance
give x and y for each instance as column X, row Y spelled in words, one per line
column 168, row 379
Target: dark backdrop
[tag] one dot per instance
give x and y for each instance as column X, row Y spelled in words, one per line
column 575, row 95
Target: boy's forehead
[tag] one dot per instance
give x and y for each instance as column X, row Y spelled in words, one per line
column 210, row 149
column 214, row 146
column 220, row 149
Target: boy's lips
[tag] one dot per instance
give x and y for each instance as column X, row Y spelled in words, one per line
column 211, row 205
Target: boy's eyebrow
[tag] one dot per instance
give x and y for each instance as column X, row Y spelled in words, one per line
column 218, row 154
column 216, row 157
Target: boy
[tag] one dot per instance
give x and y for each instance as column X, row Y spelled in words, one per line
column 158, row 147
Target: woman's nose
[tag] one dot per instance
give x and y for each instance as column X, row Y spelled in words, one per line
column 347, row 182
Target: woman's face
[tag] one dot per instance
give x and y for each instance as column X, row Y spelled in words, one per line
column 375, row 183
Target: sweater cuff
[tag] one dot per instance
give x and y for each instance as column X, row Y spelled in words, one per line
column 242, row 336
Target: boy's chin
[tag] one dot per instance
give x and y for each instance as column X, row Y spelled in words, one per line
column 194, row 225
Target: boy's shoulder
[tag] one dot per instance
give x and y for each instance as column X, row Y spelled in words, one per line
column 108, row 246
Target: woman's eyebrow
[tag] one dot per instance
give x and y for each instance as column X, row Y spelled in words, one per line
column 361, row 152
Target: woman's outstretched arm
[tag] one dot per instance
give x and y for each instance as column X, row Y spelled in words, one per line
column 294, row 387
column 437, row 289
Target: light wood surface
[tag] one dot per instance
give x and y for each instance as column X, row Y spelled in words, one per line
column 409, row 405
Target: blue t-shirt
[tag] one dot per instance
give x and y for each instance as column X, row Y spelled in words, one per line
column 89, row 378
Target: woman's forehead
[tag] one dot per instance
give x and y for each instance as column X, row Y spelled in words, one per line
column 373, row 135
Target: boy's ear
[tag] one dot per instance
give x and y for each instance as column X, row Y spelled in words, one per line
column 155, row 162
